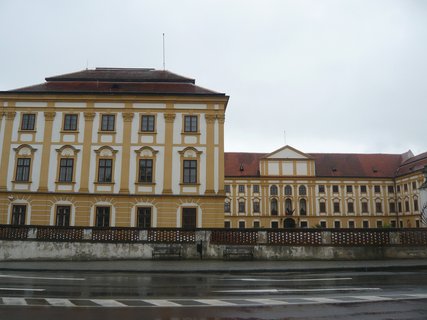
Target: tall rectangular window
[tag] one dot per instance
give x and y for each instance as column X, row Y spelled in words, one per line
column 256, row 188
column 105, row 169
column 145, row 170
column 147, row 123
column 335, row 189
column 66, row 166
column 70, row 122
column 378, row 207
column 241, row 207
column 23, row 169
column 227, row 207
column 364, row 207
column 28, row 121
column 190, row 124
column 336, row 207
column 363, row 189
column 18, row 214
column 322, row 207
column 321, row 188
column 102, row 218
column 392, row 206
column 350, row 207
column 190, row 171
column 241, row 188
column 108, row 122
column 390, row 189
column 63, row 216
column 377, row 189
column 351, row 224
column 365, row 224
column 349, row 189
column 256, row 206
column 415, row 204
column 144, row 217
column 337, row 224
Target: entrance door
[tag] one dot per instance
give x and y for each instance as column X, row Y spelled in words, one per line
column 289, row 223
column 189, row 218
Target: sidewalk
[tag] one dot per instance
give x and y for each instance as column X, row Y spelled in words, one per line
column 214, row 266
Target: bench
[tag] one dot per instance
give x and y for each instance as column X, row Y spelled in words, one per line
column 238, row 252
column 166, row 251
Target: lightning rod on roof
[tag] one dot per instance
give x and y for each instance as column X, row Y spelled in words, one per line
column 164, row 59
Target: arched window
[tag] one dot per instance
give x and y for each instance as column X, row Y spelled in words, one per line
column 302, row 191
column 274, row 207
column 303, row 207
column 273, row 190
column 288, row 206
column 288, row 190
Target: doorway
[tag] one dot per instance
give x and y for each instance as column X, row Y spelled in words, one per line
column 189, row 218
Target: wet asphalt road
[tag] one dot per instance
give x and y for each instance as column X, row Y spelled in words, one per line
column 89, row 295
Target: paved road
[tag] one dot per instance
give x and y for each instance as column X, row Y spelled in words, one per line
column 94, row 295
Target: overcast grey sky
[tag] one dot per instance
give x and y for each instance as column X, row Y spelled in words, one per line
column 337, row 76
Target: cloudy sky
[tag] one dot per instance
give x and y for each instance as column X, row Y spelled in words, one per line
column 336, row 76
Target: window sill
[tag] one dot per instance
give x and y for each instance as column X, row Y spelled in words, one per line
column 196, row 133
column 104, row 183
column 107, row 132
column 145, row 183
column 27, row 131
column 22, row 182
column 69, row 132
column 189, row 184
column 65, row 182
column 147, row 133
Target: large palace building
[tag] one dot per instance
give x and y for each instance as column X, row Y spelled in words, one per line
column 145, row 148
column 113, row 147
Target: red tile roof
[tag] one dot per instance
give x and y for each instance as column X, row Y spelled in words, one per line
column 119, row 81
column 242, row 164
column 356, row 165
column 333, row 164
column 413, row 164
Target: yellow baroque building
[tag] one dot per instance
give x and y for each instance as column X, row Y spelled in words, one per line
column 288, row 188
column 113, row 147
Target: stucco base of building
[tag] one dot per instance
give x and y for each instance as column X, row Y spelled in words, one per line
column 85, row 251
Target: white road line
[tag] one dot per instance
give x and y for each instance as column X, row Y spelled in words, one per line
column 21, row 289
column 286, row 280
column 162, row 303
column 41, row 278
column 216, row 303
column 372, row 298
column 418, row 295
column 60, row 302
column 15, row 301
column 323, row 300
column 296, row 290
column 268, row 301
column 108, row 303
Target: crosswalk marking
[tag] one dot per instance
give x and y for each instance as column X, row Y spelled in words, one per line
column 15, row 301
column 216, row 303
column 322, row 300
column 56, row 302
column 112, row 303
column 268, row 301
column 108, row 303
column 162, row 303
